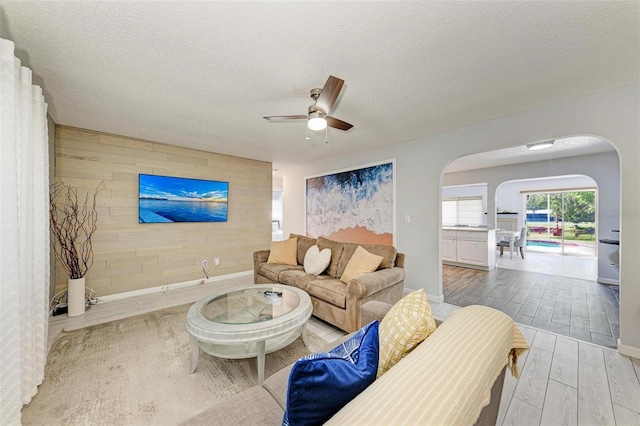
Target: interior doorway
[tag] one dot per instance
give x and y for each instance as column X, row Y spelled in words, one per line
column 566, row 294
column 562, row 221
column 560, row 217
column 277, row 216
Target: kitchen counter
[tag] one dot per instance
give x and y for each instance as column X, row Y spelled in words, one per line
column 608, row 241
column 469, row 247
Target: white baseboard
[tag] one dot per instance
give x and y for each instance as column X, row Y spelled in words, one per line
column 163, row 288
column 628, row 350
column 469, row 266
column 608, row 281
column 433, row 298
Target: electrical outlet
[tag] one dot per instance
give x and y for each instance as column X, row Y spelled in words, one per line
column 205, row 263
column 216, row 261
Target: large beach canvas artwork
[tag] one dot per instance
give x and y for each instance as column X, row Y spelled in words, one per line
column 352, row 206
column 164, row 199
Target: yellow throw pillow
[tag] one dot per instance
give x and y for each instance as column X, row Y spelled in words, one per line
column 284, row 252
column 361, row 262
column 407, row 323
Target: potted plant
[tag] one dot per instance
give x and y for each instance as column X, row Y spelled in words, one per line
column 72, row 224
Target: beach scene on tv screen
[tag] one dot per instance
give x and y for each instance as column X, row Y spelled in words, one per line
column 164, row 199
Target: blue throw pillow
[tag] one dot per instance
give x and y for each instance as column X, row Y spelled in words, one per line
column 321, row 384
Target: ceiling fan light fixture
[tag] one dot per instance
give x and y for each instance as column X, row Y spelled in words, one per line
column 317, row 121
column 541, row 145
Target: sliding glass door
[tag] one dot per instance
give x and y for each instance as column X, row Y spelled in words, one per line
column 562, row 222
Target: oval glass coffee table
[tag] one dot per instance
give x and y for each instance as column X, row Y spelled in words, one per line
column 246, row 322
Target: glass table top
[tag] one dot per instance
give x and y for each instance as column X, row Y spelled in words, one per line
column 249, row 306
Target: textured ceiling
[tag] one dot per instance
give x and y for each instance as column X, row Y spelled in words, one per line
column 203, row 74
column 566, row 147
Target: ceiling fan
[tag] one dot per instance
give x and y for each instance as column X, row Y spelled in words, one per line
column 318, row 116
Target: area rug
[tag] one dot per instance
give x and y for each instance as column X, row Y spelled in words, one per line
column 134, row 371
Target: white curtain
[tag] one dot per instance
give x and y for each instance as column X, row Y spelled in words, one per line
column 24, row 235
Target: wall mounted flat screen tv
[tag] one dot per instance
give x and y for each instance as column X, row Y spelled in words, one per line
column 165, row 199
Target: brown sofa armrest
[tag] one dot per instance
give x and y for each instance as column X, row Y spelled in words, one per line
column 366, row 284
column 258, row 258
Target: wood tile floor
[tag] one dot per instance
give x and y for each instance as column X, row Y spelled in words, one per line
column 580, row 267
column 563, row 381
column 583, row 309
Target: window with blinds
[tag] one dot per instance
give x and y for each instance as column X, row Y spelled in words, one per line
column 462, row 211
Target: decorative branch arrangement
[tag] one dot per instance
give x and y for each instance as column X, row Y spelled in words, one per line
column 72, row 225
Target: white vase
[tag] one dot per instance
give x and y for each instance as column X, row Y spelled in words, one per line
column 75, row 297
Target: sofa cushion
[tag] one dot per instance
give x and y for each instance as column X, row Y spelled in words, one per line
column 283, row 252
column 316, row 261
column 388, row 254
column 273, row 271
column 296, row 278
column 407, row 323
column 330, row 290
column 303, row 245
column 321, row 384
column 362, row 262
column 447, row 379
column 336, row 252
column 276, row 385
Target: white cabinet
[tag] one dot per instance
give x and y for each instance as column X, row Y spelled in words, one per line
column 472, row 251
column 469, row 248
column 449, row 248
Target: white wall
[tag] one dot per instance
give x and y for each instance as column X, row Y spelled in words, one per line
column 612, row 115
column 277, row 182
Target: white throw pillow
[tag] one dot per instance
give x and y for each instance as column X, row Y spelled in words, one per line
column 316, row 261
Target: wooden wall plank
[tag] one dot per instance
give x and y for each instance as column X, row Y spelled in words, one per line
column 132, row 256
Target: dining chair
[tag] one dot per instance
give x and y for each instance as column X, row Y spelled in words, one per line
column 519, row 244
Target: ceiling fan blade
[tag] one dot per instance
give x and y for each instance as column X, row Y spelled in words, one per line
column 329, row 94
column 338, row 124
column 285, row 117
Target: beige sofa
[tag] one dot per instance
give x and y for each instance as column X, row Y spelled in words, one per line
column 455, row 377
column 334, row 301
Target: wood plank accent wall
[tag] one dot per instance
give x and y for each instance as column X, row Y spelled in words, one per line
column 131, row 256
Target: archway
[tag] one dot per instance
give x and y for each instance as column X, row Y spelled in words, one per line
column 603, row 167
column 559, row 214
